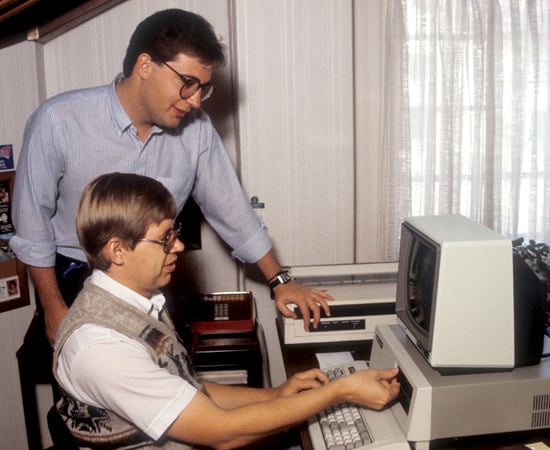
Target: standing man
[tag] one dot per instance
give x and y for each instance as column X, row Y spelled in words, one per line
column 147, row 121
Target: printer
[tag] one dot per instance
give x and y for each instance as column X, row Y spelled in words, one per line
column 364, row 298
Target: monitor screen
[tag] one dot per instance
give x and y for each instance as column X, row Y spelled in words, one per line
column 421, row 274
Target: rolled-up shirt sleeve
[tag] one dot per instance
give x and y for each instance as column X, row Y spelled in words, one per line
column 255, row 248
column 35, row 193
column 223, row 202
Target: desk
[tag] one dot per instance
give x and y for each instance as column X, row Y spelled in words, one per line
column 301, row 357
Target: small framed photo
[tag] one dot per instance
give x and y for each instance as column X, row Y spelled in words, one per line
column 14, row 290
column 9, row 288
column 6, row 157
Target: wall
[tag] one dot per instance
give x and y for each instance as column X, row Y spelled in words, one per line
column 19, row 94
column 296, row 129
column 309, row 77
column 287, row 107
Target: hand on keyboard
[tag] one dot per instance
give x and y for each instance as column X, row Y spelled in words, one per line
column 301, row 381
column 371, row 388
column 346, row 425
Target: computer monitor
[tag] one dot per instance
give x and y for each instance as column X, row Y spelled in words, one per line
column 464, row 299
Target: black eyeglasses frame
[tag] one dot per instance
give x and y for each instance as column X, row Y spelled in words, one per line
column 193, row 83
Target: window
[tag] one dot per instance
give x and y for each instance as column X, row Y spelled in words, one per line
column 475, row 81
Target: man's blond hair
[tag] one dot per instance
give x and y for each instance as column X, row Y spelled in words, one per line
column 121, row 205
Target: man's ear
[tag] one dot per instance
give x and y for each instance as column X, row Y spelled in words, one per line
column 115, row 250
column 144, row 65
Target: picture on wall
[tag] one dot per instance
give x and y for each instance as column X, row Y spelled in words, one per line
column 6, row 157
column 14, row 291
column 9, row 288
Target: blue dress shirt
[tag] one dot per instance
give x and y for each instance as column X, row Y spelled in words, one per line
column 76, row 136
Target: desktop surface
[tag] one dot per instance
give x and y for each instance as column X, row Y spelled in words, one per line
column 433, row 406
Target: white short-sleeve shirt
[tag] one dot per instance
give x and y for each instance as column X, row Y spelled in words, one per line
column 104, row 368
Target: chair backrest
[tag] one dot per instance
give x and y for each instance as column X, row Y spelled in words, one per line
column 61, row 436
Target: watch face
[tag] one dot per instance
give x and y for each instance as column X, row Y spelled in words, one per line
column 285, row 277
column 282, row 278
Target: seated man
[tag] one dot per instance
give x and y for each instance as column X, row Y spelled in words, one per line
column 125, row 376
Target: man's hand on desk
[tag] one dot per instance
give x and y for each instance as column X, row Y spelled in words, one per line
column 308, row 300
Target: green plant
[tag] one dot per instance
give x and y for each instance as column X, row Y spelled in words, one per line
column 536, row 255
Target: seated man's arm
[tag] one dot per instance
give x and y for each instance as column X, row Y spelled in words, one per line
column 99, row 368
column 230, row 428
column 231, row 397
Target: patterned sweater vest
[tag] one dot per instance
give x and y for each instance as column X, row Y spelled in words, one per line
column 97, row 428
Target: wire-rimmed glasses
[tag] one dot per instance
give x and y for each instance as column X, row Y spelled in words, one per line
column 169, row 241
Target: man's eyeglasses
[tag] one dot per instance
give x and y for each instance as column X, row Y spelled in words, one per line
column 191, row 85
column 169, row 241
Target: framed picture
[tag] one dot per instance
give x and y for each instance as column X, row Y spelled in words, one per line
column 14, row 290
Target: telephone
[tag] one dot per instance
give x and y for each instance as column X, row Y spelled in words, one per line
column 222, row 312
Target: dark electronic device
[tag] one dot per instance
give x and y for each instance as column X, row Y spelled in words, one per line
column 221, row 312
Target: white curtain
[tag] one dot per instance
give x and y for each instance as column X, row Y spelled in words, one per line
column 467, row 124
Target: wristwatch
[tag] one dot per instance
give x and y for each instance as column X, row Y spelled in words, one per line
column 283, row 277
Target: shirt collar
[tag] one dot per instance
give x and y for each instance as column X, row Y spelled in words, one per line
column 150, row 306
column 121, row 120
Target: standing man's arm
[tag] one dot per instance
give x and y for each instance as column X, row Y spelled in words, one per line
column 220, row 195
column 306, row 298
column 50, row 298
column 34, row 203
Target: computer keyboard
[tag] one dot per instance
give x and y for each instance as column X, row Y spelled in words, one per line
column 347, row 426
column 342, row 425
